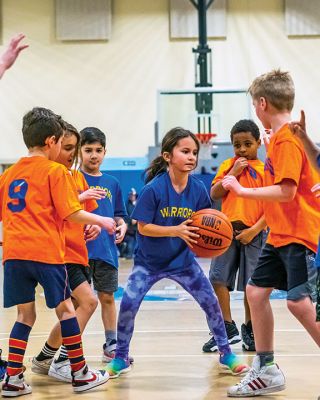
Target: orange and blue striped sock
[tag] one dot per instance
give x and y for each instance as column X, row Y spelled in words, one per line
column 17, row 346
column 71, row 338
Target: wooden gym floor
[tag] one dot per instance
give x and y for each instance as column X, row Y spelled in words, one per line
column 166, row 346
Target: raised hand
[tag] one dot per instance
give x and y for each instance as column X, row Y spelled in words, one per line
column 298, row 128
column 240, row 164
column 10, row 54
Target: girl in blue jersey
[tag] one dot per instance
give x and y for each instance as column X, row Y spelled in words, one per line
column 164, row 213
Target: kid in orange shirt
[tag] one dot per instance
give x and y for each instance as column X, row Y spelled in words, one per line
column 36, row 196
column 247, row 219
column 77, row 263
column 292, row 214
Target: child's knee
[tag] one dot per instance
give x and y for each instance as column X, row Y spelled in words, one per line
column 296, row 307
column 106, row 298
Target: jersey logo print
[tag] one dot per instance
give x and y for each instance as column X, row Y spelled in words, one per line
column 182, row 212
column 268, row 166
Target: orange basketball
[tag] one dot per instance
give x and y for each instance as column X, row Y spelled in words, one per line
column 215, row 232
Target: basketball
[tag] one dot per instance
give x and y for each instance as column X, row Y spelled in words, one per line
column 215, row 232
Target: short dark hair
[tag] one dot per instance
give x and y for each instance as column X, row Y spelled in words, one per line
column 39, row 124
column 91, row 135
column 245, row 125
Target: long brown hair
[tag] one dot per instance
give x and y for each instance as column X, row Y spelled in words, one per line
column 70, row 130
column 170, row 140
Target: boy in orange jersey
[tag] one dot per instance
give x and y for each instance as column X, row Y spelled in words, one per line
column 292, row 214
column 247, row 219
column 36, row 196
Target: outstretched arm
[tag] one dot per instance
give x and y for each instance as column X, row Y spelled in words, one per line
column 282, row 192
column 298, row 128
column 10, row 54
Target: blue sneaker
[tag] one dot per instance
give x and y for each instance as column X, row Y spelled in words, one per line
column 3, row 367
column 231, row 363
column 117, row 367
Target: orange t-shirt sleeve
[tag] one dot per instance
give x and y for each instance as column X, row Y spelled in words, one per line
column 287, row 162
column 224, row 168
column 64, row 193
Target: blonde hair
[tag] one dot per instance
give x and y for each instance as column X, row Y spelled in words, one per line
column 277, row 87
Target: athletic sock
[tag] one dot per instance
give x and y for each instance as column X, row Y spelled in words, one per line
column 46, row 352
column 17, row 346
column 63, row 355
column 266, row 358
column 71, row 338
column 111, row 337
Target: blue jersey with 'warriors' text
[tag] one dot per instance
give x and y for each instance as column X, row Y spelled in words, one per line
column 104, row 247
column 160, row 204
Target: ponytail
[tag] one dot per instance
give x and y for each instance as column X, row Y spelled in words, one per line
column 157, row 166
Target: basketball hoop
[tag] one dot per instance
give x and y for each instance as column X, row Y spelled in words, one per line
column 205, row 138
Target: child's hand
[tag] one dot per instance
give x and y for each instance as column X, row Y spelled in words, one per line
column 186, row 232
column 316, row 189
column 120, row 232
column 231, row 183
column 240, row 164
column 108, row 224
column 298, row 128
column 91, row 232
column 245, row 236
column 92, row 194
column 10, row 55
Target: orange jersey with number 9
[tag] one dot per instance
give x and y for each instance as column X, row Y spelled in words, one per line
column 36, row 196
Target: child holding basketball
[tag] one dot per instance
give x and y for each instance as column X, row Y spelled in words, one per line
column 36, row 196
column 103, row 257
column 292, row 214
column 246, row 217
column 77, row 264
column 164, row 212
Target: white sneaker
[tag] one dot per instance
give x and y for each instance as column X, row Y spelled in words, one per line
column 15, row 386
column 86, row 379
column 41, row 367
column 61, row 371
column 267, row 379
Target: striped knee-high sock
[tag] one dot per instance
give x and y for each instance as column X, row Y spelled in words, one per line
column 17, row 346
column 71, row 339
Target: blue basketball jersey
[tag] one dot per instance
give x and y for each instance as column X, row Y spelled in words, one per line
column 160, row 204
column 104, row 247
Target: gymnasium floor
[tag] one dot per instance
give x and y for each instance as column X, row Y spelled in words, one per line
column 166, row 346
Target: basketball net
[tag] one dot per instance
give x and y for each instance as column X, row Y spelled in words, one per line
column 206, row 141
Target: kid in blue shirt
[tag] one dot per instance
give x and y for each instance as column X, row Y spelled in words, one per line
column 102, row 251
column 164, row 213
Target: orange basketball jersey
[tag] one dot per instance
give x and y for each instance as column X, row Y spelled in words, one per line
column 36, row 195
column 76, row 249
column 296, row 221
column 236, row 208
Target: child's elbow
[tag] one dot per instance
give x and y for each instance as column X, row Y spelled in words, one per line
column 289, row 193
